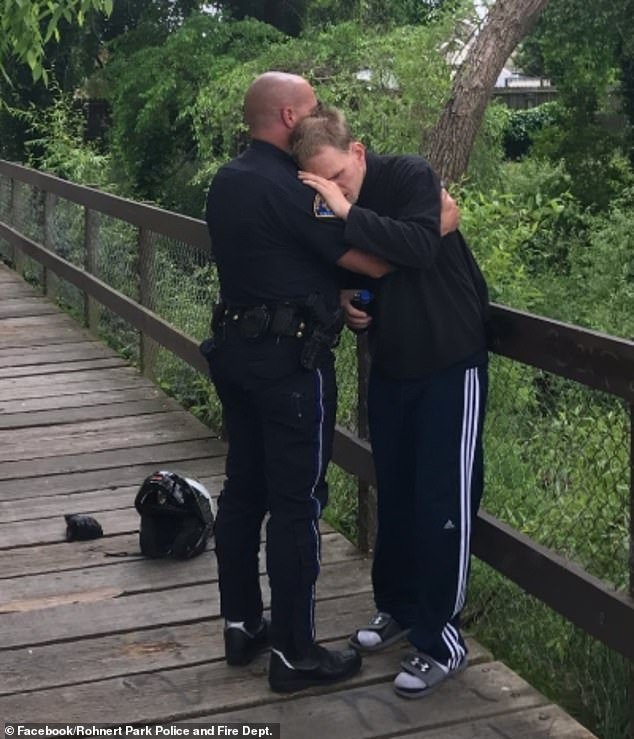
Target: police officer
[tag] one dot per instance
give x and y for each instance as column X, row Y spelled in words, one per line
column 279, row 251
column 427, row 392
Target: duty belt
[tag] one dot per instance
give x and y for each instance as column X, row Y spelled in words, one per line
column 255, row 321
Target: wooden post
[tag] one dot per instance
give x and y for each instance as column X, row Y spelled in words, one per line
column 148, row 348
column 366, row 493
column 91, row 241
column 15, row 255
column 630, row 686
column 17, row 201
column 50, row 281
column 6, row 186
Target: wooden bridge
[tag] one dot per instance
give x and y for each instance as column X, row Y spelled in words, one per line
column 92, row 632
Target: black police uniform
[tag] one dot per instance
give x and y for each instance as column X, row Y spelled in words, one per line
column 276, row 255
column 427, row 396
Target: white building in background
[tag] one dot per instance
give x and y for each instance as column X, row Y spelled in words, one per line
column 517, row 80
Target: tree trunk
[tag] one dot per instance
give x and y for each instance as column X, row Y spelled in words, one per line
column 507, row 22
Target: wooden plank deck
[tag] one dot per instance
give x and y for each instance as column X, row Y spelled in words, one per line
column 93, row 632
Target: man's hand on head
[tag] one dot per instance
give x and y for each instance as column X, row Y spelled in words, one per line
column 329, row 191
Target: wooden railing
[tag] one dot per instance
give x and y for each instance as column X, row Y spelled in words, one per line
column 589, row 358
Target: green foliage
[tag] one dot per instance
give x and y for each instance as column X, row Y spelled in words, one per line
column 293, row 17
column 599, row 288
column 184, row 290
column 556, row 465
column 487, row 155
column 57, row 145
column 341, row 511
column 81, row 50
column 27, row 25
column 541, row 249
column 405, row 12
column 579, row 46
column 606, row 268
column 505, row 228
column 522, row 126
column 152, row 92
column 376, row 78
column 321, row 14
column 586, row 678
column 593, row 156
column 585, row 49
column 286, row 15
column 545, row 190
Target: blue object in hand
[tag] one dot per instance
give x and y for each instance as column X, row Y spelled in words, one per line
column 361, row 300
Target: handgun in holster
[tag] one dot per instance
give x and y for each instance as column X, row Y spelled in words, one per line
column 324, row 328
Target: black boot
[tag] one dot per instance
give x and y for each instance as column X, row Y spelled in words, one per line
column 243, row 646
column 321, row 667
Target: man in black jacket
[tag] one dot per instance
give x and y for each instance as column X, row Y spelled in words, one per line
column 427, row 393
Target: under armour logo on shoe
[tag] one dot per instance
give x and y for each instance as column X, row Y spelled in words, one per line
column 449, row 525
column 420, row 664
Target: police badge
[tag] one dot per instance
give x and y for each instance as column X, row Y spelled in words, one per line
column 321, row 208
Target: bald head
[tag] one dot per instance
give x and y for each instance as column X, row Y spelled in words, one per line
column 275, row 103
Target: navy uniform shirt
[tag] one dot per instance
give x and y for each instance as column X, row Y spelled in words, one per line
column 271, row 241
column 431, row 312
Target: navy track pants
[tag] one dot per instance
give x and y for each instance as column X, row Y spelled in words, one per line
column 427, row 443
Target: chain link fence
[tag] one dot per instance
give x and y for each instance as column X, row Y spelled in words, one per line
column 172, row 278
column 557, row 460
column 557, row 457
column 557, row 468
column 22, row 207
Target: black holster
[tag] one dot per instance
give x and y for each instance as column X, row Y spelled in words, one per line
column 323, row 332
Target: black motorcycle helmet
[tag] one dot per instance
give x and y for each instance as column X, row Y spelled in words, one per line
column 177, row 516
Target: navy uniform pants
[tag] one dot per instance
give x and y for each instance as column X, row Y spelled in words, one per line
column 279, row 420
column 427, row 443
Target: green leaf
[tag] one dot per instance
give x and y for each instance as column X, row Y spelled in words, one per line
column 31, row 58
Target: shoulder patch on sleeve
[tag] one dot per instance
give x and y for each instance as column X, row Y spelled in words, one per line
column 321, row 209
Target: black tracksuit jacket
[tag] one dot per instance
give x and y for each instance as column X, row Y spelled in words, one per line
column 431, row 313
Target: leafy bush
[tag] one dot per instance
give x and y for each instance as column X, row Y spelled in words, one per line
column 152, row 90
column 522, row 125
column 593, row 156
column 599, row 288
column 501, row 228
column 486, row 161
column 542, row 191
column 376, row 78
column 57, row 144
